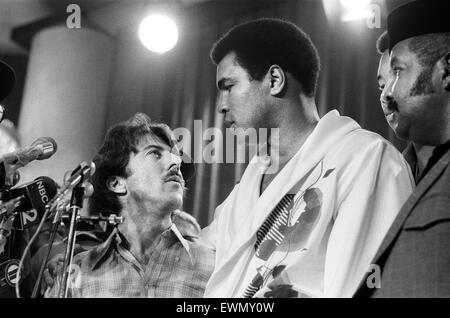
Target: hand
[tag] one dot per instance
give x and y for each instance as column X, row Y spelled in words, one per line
column 52, row 275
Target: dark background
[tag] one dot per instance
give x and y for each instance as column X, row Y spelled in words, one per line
column 179, row 86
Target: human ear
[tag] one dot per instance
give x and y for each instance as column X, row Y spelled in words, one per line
column 117, row 185
column 444, row 65
column 277, row 80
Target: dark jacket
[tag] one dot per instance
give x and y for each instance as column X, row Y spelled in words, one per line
column 414, row 257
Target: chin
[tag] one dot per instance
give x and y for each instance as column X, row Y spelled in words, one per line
column 176, row 201
column 400, row 130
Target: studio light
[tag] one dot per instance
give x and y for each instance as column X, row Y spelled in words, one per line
column 355, row 5
column 357, row 15
column 158, row 33
column 356, row 10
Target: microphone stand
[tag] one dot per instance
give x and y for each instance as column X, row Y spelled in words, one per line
column 112, row 220
column 53, row 230
column 76, row 203
column 52, row 205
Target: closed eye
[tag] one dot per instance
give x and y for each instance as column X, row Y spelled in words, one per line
column 225, row 84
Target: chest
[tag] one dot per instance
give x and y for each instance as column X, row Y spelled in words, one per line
column 165, row 275
column 265, row 181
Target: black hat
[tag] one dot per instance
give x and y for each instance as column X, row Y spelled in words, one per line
column 7, row 79
column 418, row 18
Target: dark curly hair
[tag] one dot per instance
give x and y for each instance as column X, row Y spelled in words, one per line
column 112, row 159
column 261, row 43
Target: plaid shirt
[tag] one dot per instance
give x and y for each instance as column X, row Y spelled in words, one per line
column 176, row 268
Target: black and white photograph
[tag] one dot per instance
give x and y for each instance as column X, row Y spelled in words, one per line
column 223, row 150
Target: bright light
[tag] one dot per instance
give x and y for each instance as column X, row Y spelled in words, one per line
column 158, row 33
column 355, row 5
column 357, row 15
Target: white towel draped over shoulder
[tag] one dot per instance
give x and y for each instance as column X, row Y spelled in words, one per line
column 349, row 185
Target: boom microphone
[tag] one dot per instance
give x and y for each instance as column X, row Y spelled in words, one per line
column 42, row 148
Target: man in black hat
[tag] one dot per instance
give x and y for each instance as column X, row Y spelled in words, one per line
column 416, row 155
column 414, row 257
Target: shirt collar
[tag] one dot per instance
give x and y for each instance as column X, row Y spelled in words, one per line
column 441, row 149
column 438, row 152
column 117, row 239
column 84, row 235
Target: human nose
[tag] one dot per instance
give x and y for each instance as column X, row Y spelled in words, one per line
column 388, row 91
column 385, row 96
column 222, row 104
column 174, row 160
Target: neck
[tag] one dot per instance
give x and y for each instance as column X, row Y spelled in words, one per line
column 423, row 154
column 141, row 227
column 296, row 122
column 446, row 135
column 439, row 132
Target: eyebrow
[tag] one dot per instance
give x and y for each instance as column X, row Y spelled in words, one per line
column 221, row 82
column 161, row 148
column 153, row 146
column 394, row 60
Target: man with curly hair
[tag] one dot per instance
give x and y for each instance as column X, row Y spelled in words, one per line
column 140, row 176
column 311, row 227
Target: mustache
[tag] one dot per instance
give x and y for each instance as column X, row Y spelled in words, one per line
column 392, row 105
column 175, row 173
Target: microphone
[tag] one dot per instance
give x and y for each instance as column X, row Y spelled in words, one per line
column 42, row 148
column 81, row 173
column 28, row 200
column 8, row 272
column 94, row 223
column 64, row 202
